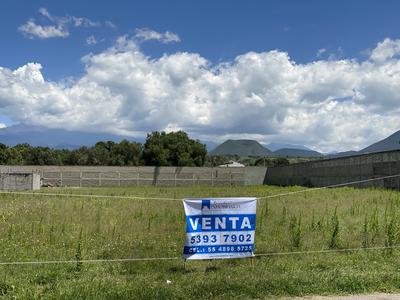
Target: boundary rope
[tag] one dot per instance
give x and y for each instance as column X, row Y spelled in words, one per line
column 173, row 258
column 331, row 186
column 91, row 196
column 326, row 251
column 85, row 261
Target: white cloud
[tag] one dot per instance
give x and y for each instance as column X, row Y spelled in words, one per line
column 386, row 49
column 263, row 96
column 90, row 40
column 84, row 22
column 320, row 51
column 148, row 34
column 32, row 30
column 45, row 13
column 2, row 125
column 110, row 24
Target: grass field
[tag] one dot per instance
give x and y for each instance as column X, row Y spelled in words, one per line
column 55, row 228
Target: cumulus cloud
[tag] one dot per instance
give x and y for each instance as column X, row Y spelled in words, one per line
column 110, row 24
column 148, row 34
column 263, row 96
column 90, row 40
column 32, row 30
column 386, row 49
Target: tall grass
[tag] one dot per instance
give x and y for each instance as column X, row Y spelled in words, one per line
column 49, row 228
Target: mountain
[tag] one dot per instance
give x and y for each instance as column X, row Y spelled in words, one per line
column 210, row 145
column 330, row 153
column 276, row 146
column 390, row 143
column 342, row 154
column 56, row 138
column 297, row 152
column 61, row 138
column 243, row 148
column 67, row 146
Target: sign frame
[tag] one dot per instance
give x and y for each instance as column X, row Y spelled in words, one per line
column 220, row 228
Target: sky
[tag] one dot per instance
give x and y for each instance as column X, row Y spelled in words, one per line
column 324, row 74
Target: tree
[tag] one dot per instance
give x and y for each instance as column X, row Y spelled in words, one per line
column 271, row 161
column 217, row 160
column 2, row 154
column 173, row 149
column 12, row 156
column 80, row 156
column 98, row 155
column 126, row 154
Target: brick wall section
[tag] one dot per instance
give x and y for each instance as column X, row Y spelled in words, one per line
column 340, row 170
column 76, row 176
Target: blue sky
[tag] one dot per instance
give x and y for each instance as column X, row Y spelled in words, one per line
column 318, row 73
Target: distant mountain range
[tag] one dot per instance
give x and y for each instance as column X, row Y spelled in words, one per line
column 55, row 138
column 392, row 142
column 297, row 152
column 276, row 146
column 243, row 148
column 63, row 139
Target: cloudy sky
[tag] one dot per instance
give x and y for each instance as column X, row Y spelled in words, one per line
column 316, row 73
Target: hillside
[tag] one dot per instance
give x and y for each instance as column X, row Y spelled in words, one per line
column 276, row 146
column 390, row 143
column 242, row 148
column 342, row 154
column 297, row 153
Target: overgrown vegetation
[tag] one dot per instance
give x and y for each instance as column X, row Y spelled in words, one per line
column 50, row 228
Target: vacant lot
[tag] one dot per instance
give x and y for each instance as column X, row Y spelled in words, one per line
column 59, row 228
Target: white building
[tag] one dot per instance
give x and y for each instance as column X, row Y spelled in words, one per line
column 232, row 164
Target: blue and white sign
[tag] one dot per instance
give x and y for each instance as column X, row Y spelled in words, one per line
column 219, row 228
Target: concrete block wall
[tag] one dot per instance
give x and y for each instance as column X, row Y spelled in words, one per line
column 77, row 176
column 340, row 170
column 19, row 181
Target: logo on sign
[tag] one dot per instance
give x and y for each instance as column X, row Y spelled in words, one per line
column 206, row 204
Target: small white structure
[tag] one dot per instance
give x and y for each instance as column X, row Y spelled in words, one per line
column 232, row 164
column 19, row 181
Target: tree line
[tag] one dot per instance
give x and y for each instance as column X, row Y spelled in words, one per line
column 160, row 149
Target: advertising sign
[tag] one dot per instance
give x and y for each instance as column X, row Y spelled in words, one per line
column 219, row 228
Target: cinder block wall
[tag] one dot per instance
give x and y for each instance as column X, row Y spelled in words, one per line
column 76, row 176
column 19, row 181
column 340, row 170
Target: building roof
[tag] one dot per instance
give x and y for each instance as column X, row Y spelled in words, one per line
column 232, row 164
